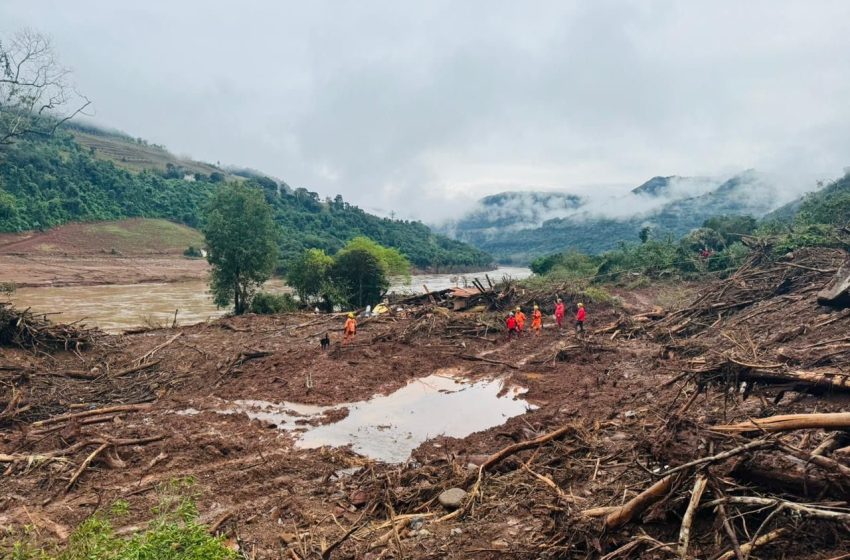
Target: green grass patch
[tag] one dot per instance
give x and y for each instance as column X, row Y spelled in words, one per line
column 173, row 534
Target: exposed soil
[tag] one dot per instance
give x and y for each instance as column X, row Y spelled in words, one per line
column 122, row 252
column 632, row 397
column 42, row 271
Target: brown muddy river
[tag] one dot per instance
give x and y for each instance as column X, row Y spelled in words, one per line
column 116, row 307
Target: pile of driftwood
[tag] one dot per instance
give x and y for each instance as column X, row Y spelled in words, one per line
column 22, row 328
column 757, row 281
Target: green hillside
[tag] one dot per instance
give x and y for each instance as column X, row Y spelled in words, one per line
column 46, row 182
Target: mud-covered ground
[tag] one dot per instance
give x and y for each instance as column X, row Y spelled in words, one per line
column 622, row 393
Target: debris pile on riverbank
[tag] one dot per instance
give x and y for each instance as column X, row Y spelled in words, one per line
column 714, row 430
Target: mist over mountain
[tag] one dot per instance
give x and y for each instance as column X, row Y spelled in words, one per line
column 519, row 226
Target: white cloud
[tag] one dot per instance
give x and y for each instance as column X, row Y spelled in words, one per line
column 422, row 108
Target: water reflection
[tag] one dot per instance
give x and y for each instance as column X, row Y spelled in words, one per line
column 389, row 427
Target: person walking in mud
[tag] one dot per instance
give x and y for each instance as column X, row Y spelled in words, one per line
column 511, row 325
column 520, row 321
column 536, row 320
column 560, row 312
column 581, row 315
column 350, row 329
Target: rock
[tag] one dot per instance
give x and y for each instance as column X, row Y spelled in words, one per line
column 837, row 292
column 287, row 537
column 423, row 533
column 358, row 498
column 457, row 531
column 452, row 498
column 416, row 523
column 629, row 414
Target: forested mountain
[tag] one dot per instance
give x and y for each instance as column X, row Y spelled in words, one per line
column 46, row 182
column 667, row 205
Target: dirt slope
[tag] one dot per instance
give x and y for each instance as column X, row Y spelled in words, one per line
column 119, row 252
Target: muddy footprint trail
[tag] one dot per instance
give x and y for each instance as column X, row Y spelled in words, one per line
column 639, row 439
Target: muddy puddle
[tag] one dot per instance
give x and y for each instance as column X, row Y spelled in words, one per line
column 389, row 427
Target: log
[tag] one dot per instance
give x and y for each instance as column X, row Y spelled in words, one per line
column 685, row 531
column 95, row 412
column 786, row 481
column 814, row 511
column 746, row 549
column 84, row 465
column 827, row 379
column 787, row 422
column 639, row 503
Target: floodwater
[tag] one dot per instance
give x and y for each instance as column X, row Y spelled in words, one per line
column 117, row 307
column 389, row 427
column 436, row 282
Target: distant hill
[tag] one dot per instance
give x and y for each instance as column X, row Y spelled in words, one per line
column 513, row 232
column 88, row 176
column 135, row 154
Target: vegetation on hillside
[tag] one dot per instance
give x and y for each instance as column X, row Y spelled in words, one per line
column 513, row 226
column 722, row 243
column 45, row 182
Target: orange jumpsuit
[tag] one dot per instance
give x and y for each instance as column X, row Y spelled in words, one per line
column 536, row 321
column 520, row 320
column 350, row 330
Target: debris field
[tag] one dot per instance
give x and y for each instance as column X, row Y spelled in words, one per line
column 714, row 429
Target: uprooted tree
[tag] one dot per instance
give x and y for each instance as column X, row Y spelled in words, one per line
column 36, row 93
column 241, row 237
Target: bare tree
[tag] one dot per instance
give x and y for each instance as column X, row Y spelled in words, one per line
column 36, row 93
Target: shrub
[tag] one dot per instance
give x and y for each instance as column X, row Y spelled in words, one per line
column 193, row 252
column 265, row 303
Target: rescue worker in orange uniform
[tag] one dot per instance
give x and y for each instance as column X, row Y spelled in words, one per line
column 520, row 320
column 350, row 328
column 581, row 315
column 559, row 313
column 536, row 320
column 511, row 326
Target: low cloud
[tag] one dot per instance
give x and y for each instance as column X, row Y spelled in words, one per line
column 424, row 109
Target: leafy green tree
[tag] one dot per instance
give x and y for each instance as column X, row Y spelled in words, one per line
column 391, row 260
column 731, row 227
column 645, row 231
column 309, row 273
column 241, row 239
column 361, row 275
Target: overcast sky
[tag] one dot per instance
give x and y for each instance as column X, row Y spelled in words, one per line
column 420, row 107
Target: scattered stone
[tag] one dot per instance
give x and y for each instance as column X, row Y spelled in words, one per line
column 452, row 498
column 416, row 523
column 457, row 531
column 629, row 414
column 358, row 498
